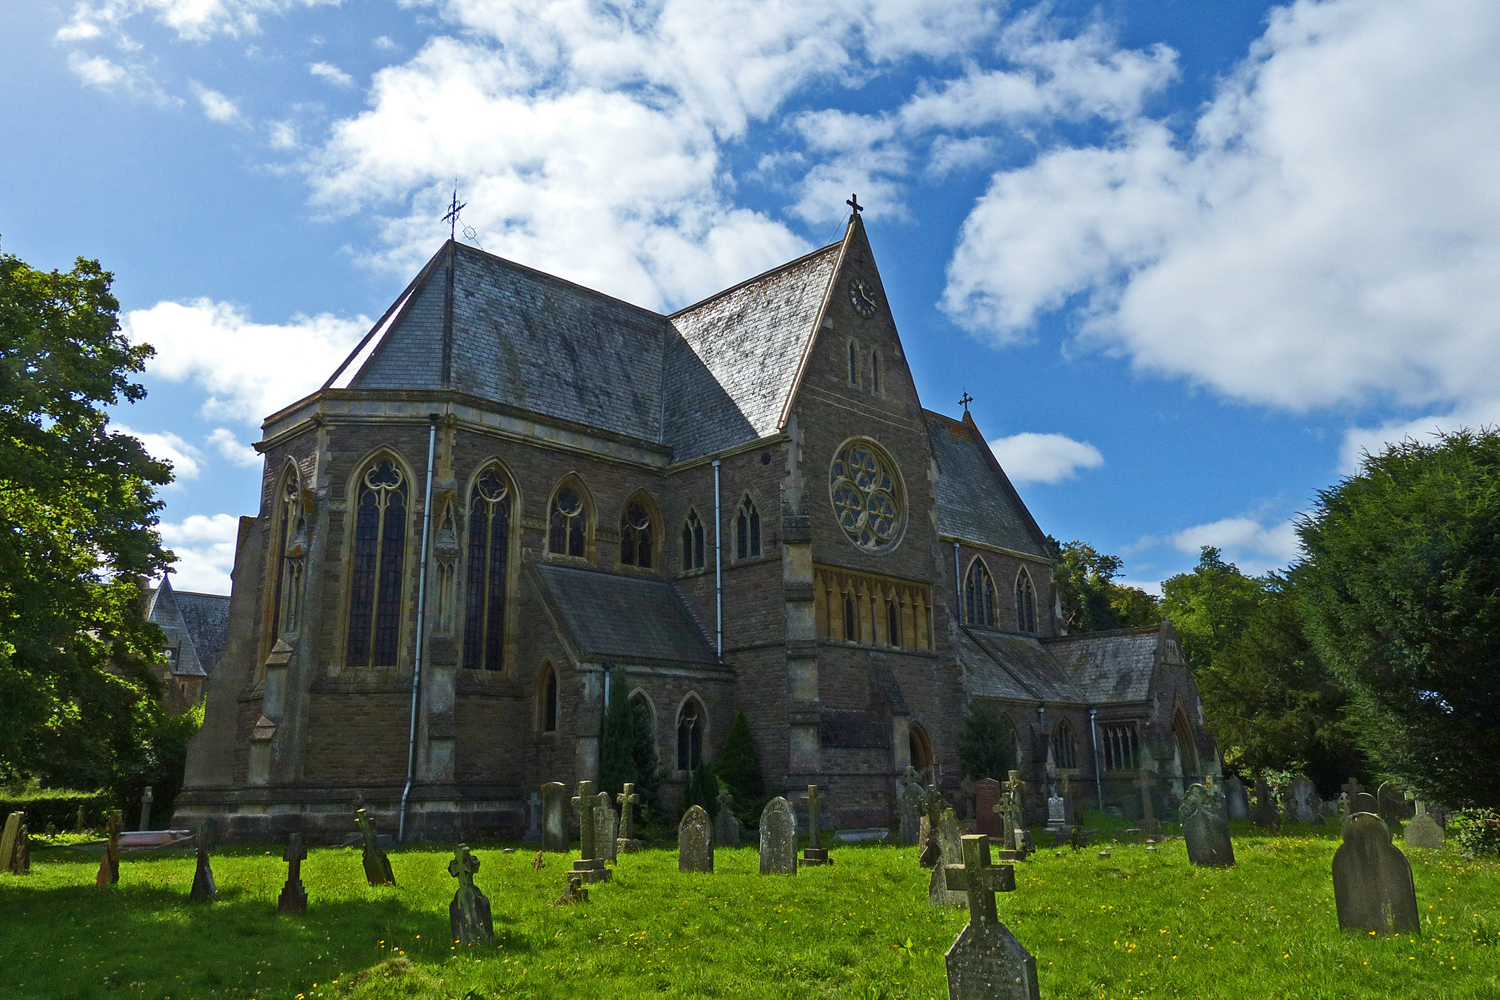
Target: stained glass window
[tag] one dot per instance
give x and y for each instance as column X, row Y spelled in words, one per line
column 379, row 554
column 866, row 495
column 1064, row 746
column 690, row 735
column 979, row 596
column 1025, row 603
column 489, row 552
column 747, row 531
column 692, row 542
column 636, row 536
column 569, row 524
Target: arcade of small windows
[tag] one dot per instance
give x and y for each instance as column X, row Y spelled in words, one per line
column 872, row 610
column 1025, row 603
column 567, row 528
column 379, row 553
column 747, row 531
column 692, row 542
column 979, row 596
column 1064, row 746
column 489, row 552
column 1119, row 745
column 636, row 536
column 690, row 722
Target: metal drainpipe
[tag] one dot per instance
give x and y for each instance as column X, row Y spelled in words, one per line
column 718, row 571
column 1041, row 721
column 1098, row 779
column 416, row 676
column 958, row 587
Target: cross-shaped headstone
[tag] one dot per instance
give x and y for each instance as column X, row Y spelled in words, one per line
column 628, row 800
column 583, row 804
column 469, row 913
column 1352, row 787
column 463, row 866
column 294, row 854
column 1345, row 802
column 293, row 898
column 534, row 821
column 980, row 879
column 813, row 834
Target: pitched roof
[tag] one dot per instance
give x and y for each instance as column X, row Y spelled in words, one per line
column 1029, row 662
column 614, row 618
column 163, row 611
column 1109, row 666
column 207, row 620
column 984, row 675
column 975, row 499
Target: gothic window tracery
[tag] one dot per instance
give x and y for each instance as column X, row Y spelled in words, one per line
column 747, row 531
column 692, row 542
column 637, row 537
column 379, row 557
column 867, row 495
column 1064, row 746
column 568, row 523
column 489, row 555
column 1119, row 744
column 1025, row 602
column 979, row 595
column 690, row 721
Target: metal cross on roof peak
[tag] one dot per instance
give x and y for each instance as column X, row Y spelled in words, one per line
column 965, row 400
column 853, row 202
column 454, row 207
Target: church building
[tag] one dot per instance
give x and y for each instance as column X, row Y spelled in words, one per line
column 515, row 484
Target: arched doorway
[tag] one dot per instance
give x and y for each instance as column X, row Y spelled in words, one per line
column 921, row 753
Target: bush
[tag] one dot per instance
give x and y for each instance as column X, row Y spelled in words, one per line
column 738, row 768
column 986, row 743
column 702, row 790
column 58, row 806
column 1479, row 831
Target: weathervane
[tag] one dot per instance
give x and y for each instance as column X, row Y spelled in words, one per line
column 453, row 209
column 853, row 202
column 966, row 400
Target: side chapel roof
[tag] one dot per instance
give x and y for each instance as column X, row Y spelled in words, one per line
column 975, row 499
column 609, row 618
column 1112, row 666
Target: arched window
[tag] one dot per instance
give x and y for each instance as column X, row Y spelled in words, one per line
column 692, row 542
column 568, row 527
column 1025, row 603
column 643, row 719
column 1064, row 746
column 853, row 363
column 379, row 551
column 979, row 595
column 636, row 535
column 874, row 371
column 921, row 750
column 290, row 524
column 547, row 691
column 1187, row 747
column 747, row 531
column 892, row 622
column 851, row 619
column 690, row 720
column 1119, row 747
column 489, row 552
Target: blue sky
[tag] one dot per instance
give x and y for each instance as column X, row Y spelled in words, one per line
column 1189, row 257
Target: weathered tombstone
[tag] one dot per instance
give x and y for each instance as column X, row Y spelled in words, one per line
column 1392, row 800
column 573, row 893
column 1423, row 830
column 1302, row 792
column 1148, row 813
column 931, row 808
column 626, row 843
column 814, row 853
column 293, row 898
column 589, row 866
column 986, row 797
column 1057, row 814
column 695, row 841
column 146, row 800
column 778, row 838
column 1372, row 883
column 9, row 838
column 109, row 865
column 204, row 889
column 1352, row 787
column 1236, row 801
column 909, row 807
column 1344, row 806
column 1364, row 802
column 1265, row 814
column 1205, row 825
column 469, row 913
column 726, row 824
column 377, row 865
column 81, row 819
column 533, row 819
column 950, row 848
column 606, row 831
column 986, row 962
column 554, row 820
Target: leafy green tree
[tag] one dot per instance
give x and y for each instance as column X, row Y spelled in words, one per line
column 617, row 744
column 739, row 769
column 78, row 702
column 1401, row 595
column 1211, row 606
column 1091, row 600
column 986, row 743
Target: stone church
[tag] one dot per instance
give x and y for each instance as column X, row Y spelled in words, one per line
column 515, row 484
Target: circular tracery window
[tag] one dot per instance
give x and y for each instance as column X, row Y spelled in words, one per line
column 867, row 497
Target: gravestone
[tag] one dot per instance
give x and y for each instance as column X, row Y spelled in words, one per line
column 82, row 819
column 606, row 829
column 1393, row 810
column 1344, row 807
column 1303, row 791
column 1236, row 800
column 146, row 800
column 986, row 797
column 573, row 893
column 554, row 820
column 986, row 962
column 377, row 865
column 931, row 809
column 293, row 898
column 778, row 838
column 109, row 865
column 950, row 851
column 204, row 888
column 1423, row 830
column 726, row 824
column 626, row 842
column 695, row 841
column 1364, row 802
column 9, row 838
column 1372, row 883
column 589, row 866
column 1148, row 821
column 533, row 819
column 469, row 914
column 814, row 853
column 1265, row 814
column 909, row 807
column 1205, row 825
column 1057, row 814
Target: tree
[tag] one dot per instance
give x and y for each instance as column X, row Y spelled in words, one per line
column 78, row 702
column 1091, row 600
column 986, row 743
column 739, row 769
column 1401, row 597
column 1209, row 607
column 617, row 743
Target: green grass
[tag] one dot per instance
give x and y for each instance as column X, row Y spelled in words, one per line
column 1135, row 925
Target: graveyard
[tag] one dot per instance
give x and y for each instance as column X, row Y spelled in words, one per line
column 1141, row 922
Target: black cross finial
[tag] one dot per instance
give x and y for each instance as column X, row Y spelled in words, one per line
column 453, row 209
column 853, row 202
column 966, row 400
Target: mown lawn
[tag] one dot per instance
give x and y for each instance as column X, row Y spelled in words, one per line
column 1135, row 925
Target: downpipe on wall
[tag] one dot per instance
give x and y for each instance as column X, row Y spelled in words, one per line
column 1098, row 779
column 718, row 572
column 416, row 676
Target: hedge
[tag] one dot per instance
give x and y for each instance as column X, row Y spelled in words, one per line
column 56, row 806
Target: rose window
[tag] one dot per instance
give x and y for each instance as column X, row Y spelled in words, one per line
column 867, row 497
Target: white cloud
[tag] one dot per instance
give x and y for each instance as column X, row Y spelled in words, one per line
column 228, row 445
column 216, row 106
column 1330, row 234
column 1245, row 541
column 331, row 73
column 192, row 20
column 1044, row 458
column 205, row 551
column 249, row 369
column 383, row 42
column 283, row 135
column 167, row 447
column 1360, row 440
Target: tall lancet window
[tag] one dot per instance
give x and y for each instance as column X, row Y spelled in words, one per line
column 636, row 541
column 567, row 530
column 692, row 542
column 979, row 596
column 747, row 531
column 489, row 548
column 379, row 552
column 1025, row 603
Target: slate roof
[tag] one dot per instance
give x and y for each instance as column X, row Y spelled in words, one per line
column 207, row 620
column 975, row 500
column 984, row 676
column 162, row 610
column 1109, row 666
column 613, row 618
column 1030, row 663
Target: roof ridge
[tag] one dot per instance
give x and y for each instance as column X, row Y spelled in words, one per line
column 557, row 280
column 1108, row 633
column 751, row 280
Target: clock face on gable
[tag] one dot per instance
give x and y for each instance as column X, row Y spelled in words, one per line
column 862, row 297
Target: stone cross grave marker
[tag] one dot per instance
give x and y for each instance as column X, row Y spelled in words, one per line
column 1235, row 798
column 986, row 962
column 1143, row 781
column 986, row 797
column 377, row 865
column 814, row 853
column 293, row 898
column 949, row 841
column 1303, row 791
column 1015, row 827
column 606, row 830
column 1423, row 830
column 1345, row 805
column 109, row 865
column 909, row 807
column 932, row 814
column 695, row 841
column 589, row 866
column 778, row 838
column 1372, row 883
column 204, row 890
column 469, row 914
column 554, row 819
column 533, row 819
column 726, row 824
column 1352, row 787
column 628, row 799
column 146, row 800
column 1205, row 825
